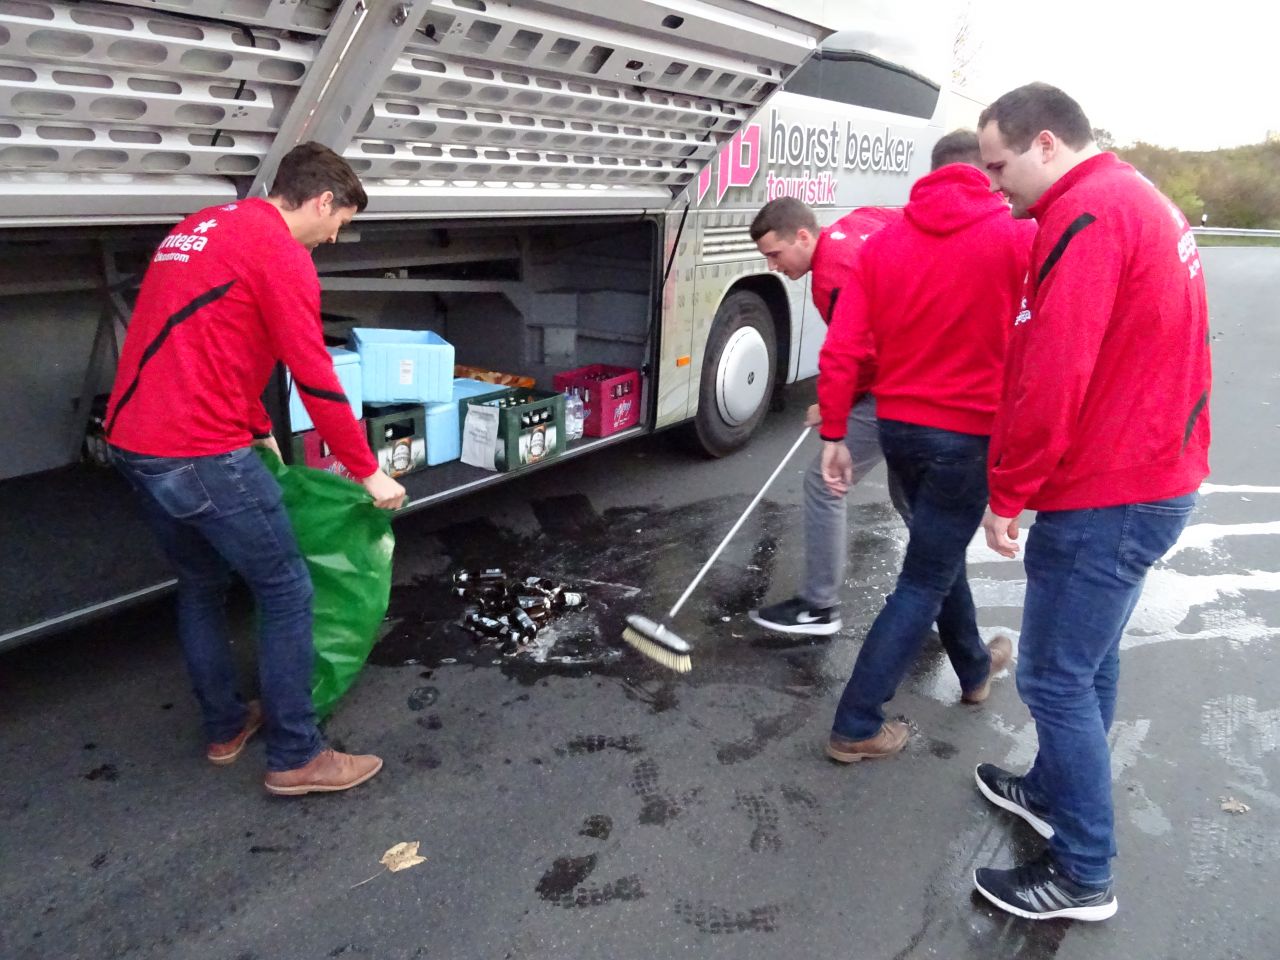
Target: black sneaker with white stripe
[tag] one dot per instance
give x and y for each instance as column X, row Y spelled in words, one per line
column 1005, row 790
column 1039, row 891
column 797, row 616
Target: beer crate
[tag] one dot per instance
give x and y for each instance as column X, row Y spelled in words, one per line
column 530, row 425
column 610, row 395
column 310, row 450
column 397, row 436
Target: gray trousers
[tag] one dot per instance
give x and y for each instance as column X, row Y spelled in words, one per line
column 826, row 535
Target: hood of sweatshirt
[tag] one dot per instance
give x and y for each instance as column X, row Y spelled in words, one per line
column 952, row 198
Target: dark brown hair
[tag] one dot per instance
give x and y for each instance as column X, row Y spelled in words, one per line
column 309, row 169
column 784, row 216
column 958, row 146
column 1021, row 114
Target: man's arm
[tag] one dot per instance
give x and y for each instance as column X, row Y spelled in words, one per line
column 1070, row 315
column 846, row 364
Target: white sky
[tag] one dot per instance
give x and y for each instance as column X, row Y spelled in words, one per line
column 1193, row 76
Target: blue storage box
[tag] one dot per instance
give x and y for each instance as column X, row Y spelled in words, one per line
column 444, row 436
column 404, row 366
column 346, row 365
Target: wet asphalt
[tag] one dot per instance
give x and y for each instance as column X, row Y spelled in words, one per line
column 576, row 801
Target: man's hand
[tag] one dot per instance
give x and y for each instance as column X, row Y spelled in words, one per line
column 837, row 467
column 387, row 493
column 270, row 443
column 1002, row 532
column 813, row 416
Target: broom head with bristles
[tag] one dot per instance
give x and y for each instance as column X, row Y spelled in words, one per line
column 657, row 643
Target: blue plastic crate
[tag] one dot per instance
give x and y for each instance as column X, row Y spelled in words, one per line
column 444, row 438
column 347, row 366
column 404, row 366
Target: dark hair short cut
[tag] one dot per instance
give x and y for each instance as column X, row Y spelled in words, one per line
column 958, row 146
column 309, row 169
column 784, row 216
column 1021, row 114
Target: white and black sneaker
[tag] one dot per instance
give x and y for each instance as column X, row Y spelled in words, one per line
column 797, row 616
column 1005, row 790
column 1039, row 891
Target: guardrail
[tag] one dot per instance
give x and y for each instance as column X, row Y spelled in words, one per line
column 1233, row 232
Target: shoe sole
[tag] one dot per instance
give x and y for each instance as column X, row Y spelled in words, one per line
column 1100, row 912
column 321, row 788
column 804, row 629
column 1042, row 827
column 231, row 757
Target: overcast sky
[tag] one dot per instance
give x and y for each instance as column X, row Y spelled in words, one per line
column 1193, row 76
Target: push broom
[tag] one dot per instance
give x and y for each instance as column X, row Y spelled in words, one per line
column 658, row 641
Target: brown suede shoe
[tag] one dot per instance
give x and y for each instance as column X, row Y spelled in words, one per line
column 889, row 739
column 328, row 772
column 1001, row 652
column 224, row 753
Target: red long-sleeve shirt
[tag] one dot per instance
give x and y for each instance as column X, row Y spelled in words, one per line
column 923, row 319
column 228, row 293
column 1107, row 385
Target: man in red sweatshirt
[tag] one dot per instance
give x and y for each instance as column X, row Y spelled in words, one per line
column 1103, row 429
column 922, row 322
column 230, row 291
column 786, row 233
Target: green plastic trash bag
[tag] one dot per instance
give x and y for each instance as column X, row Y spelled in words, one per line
column 347, row 543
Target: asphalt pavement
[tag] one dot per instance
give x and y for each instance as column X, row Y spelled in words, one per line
column 577, row 801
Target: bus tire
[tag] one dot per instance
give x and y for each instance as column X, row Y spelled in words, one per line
column 738, row 372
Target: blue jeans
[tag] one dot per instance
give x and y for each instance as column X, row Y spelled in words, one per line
column 214, row 515
column 1085, row 570
column 944, row 477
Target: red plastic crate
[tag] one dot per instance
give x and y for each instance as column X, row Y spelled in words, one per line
column 611, row 396
column 311, row 451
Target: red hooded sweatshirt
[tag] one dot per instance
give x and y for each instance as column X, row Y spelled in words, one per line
column 1107, row 386
column 924, row 317
column 834, row 253
column 228, row 293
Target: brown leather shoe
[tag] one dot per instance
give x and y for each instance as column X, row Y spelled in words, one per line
column 224, row 753
column 889, row 739
column 1001, row 651
column 328, row 772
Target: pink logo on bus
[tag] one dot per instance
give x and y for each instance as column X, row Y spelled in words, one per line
column 736, row 165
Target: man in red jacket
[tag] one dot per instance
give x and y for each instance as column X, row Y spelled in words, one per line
column 922, row 322
column 231, row 291
column 1103, row 429
column 786, row 233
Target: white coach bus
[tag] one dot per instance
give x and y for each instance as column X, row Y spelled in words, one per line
column 551, row 185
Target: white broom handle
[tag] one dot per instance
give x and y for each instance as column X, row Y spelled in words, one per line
column 741, row 520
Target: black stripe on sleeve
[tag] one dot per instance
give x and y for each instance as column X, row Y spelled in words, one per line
column 335, row 396
column 1191, row 420
column 206, row 298
column 1059, row 248
column 831, row 307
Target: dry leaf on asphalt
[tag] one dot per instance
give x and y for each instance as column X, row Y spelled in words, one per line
column 1232, row 805
column 402, row 856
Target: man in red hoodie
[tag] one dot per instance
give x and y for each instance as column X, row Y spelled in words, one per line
column 786, row 233
column 922, row 322
column 1103, row 429
column 230, row 291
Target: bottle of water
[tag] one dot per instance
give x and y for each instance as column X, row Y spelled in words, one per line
column 573, row 415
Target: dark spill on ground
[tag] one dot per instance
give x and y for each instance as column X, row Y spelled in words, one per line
column 626, row 560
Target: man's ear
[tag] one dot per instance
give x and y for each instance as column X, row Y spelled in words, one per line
column 1047, row 144
column 324, row 203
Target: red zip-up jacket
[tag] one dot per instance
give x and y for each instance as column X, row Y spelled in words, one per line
column 228, row 293
column 924, row 317
column 1107, row 385
column 835, row 250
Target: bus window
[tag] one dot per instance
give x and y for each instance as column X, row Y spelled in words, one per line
column 863, row 80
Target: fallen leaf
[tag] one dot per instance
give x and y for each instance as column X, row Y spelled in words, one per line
column 402, row 856
column 1232, row 805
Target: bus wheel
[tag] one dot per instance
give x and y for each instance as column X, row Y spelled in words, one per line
column 737, row 374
